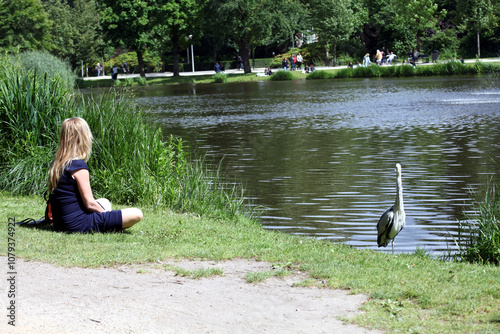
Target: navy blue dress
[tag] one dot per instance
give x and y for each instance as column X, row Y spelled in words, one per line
column 69, row 212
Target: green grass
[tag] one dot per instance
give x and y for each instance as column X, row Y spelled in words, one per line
column 196, row 273
column 408, row 292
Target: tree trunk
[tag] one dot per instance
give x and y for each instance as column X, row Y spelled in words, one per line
column 253, row 58
column 327, row 55
column 245, row 54
column 478, row 45
column 140, row 60
column 175, row 54
column 335, row 53
column 419, row 35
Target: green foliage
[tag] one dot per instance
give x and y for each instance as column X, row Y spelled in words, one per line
column 320, row 75
column 478, row 238
column 44, row 63
column 24, row 25
column 141, row 81
column 256, row 22
column 152, row 61
column 447, row 68
column 75, row 30
column 335, row 20
column 281, row 75
column 446, row 42
column 32, row 107
column 220, row 77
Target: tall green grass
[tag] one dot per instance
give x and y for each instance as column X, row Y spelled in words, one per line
column 32, row 107
column 131, row 161
column 478, row 238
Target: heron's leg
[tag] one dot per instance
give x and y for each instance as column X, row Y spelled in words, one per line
column 392, row 246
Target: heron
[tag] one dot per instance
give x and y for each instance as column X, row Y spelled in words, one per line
column 393, row 220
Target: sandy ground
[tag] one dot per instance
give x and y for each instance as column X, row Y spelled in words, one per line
column 149, row 299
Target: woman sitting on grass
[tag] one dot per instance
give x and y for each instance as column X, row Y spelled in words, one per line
column 74, row 208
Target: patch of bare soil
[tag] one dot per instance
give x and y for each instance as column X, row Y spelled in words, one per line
column 148, row 299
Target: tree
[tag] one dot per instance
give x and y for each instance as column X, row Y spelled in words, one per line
column 24, row 24
column 173, row 21
column 416, row 16
column 335, row 21
column 479, row 16
column 252, row 23
column 129, row 23
column 88, row 33
column 62, row 32
column 76, row 32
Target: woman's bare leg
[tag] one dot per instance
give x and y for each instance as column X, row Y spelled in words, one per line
column 130, row 216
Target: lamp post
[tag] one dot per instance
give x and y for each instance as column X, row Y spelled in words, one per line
column 192, row 53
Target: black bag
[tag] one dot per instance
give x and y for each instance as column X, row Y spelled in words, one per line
column 47, row 219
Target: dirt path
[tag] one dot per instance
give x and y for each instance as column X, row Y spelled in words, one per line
column 145, row 299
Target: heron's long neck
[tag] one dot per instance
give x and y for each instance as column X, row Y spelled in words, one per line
column 398, row 205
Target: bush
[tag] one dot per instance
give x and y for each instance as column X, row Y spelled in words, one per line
column 281, row 75
column 320, row 75
column 220, row 77
column 43, row 63
column 141, row 81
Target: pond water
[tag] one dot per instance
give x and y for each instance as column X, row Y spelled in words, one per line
column 319, row 155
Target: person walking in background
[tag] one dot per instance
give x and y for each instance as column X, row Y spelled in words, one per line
column 74, row 208
column 98, row 68
column 217, row 68
column 378, row 57
column 366, row 60
column 114, row 73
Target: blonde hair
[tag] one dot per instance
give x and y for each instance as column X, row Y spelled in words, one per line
column 75, row 142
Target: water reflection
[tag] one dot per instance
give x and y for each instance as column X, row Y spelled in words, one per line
column 320, row 155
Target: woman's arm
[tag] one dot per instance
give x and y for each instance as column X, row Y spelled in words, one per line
column 82, row 178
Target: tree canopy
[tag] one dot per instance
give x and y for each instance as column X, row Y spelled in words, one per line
column 25, row 25
column 86, row 30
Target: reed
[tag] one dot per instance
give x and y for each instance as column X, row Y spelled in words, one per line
column 478, row 237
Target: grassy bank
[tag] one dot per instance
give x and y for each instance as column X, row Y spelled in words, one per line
column 409, row 292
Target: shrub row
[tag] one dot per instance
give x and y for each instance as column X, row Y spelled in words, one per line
column 449, row 68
